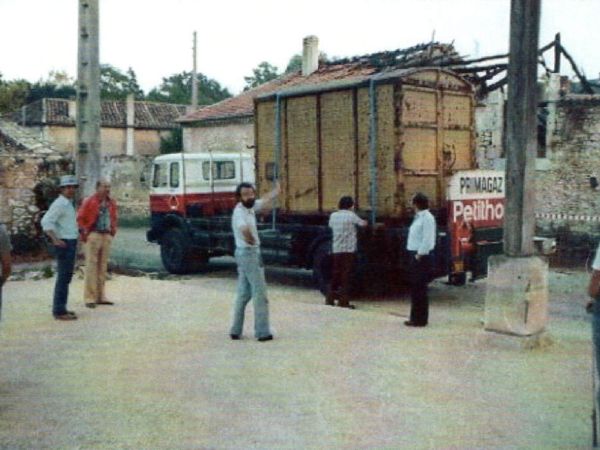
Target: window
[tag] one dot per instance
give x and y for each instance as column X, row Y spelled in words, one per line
column 174, row 175
column 160, row 176
column 221, row 170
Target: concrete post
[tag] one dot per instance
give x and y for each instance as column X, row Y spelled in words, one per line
column 310, row 55
column 517, row 287
column 130, row 151
column 88, row 98
column 194, row 78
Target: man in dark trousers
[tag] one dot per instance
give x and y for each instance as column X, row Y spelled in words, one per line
column 420, row 245
column 6, row 263
column 60, row 224
column 343, row 225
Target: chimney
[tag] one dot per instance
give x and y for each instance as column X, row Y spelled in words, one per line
column 310, row 55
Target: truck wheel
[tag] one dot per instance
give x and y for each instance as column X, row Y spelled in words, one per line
column 174, row 252
column 457, row 279
column 322, row 264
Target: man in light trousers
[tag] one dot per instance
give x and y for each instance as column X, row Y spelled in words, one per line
column 251, row 273
column 97, row 219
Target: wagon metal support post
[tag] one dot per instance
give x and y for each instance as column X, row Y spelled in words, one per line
column 277, row 156
column 373, row 148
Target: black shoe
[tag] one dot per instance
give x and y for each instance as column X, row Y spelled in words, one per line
column 65, row 316
column 347, row 306
column 410, row 323
column 72, row 313
column 265, row 338
column 234, row 337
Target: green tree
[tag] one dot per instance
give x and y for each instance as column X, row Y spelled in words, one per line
column 12, row 94
column 173, row 143
column 295, row 62
column 177, row 88
column 116, row 85
column 58, row 84
column 260, row 75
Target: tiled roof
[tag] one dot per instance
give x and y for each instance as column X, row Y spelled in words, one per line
column 347, row 70
column 243, row 104
column 148, row 115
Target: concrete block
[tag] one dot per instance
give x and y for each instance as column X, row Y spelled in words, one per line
column 516, row 300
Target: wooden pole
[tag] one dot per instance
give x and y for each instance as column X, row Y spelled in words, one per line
column 521, row 111
column 557, row 53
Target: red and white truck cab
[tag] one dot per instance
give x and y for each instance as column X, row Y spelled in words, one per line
column 197, row 184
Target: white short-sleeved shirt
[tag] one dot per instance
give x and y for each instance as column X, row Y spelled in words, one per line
column 421, row 234
column 596, row 263
column 242, row 217
column 343, row 224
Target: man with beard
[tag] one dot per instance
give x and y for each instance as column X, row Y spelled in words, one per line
column 251, row 273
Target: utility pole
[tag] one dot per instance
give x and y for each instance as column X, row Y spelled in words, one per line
column 88, row 98
column 194, row 79
column 521, row 116
column 516, row 299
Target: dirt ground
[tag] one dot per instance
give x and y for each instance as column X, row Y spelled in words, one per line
column 158, row 371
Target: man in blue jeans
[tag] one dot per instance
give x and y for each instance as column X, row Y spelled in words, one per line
column 251, row 273
column 60, row 224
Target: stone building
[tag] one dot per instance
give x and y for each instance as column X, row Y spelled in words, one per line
column 127, row 127
column 29, row 168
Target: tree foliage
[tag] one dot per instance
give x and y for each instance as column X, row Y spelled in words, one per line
column 177, row 88
column 12, row 94
column 260, row 75
column 116, row 85
column 173, row 143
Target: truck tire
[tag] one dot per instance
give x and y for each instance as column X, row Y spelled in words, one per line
column 457, row 279
column 175, row 253
column 322, row 265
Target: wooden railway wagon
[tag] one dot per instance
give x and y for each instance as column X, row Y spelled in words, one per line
column 379, row 139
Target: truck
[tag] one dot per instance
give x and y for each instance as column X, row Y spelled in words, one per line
column 379, row 138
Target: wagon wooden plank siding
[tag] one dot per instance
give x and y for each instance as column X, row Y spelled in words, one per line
column 424, row 134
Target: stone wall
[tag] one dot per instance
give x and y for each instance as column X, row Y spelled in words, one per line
column 229, row 137
column 113, row 140
column 130, row 176
column 29, row 170
column 565, row 195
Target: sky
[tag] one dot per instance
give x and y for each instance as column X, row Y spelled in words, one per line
column 154, row 37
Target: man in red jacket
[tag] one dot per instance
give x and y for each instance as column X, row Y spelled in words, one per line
column 97, row 219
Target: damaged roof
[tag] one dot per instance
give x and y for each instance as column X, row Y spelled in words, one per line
column 348, row 69
column 148, row 115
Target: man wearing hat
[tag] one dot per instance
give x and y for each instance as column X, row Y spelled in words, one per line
column 60, row 224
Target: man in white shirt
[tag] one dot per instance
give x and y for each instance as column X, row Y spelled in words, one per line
column 343, row 225
column 251, row 273
column 593, row 307
column 420, row 244
column 60, row 224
